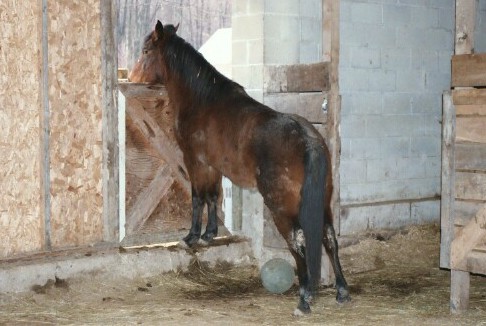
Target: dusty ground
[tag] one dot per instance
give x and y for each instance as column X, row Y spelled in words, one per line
column 394, row 281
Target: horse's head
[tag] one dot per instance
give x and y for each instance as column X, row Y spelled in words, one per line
column 148, row 68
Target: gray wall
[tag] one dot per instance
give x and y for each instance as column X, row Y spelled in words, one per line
column 394, row 66
column 480, row 35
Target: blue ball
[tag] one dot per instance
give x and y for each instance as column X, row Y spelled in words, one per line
column 277, row 275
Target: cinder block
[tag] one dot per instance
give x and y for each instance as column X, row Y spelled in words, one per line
column 433, row 124
column 410, row 80
column 447, row 18
column 283, row 28
column 433, row 167
column 369, row 13
column 395, row 15
column 437, row 82
column 439, row 39
column 353, row 127
column 352, row 171
column 426, row 103
column 393, row 168
column 393, row 126
column 240, row 53
column 310, row 52
column 352, row 80
column 442, row 3
column 382, row 80
column 397, row 103
column 396, row 58
column 425, row 17
column 380, row 36
column 248, row 27
column 425, row 59
column 311, row 9
column 425, row 146
column 285, row 7
column 423, row 212
column 311, row 30
column 366, row 148
column 353, row 34
column 396, row 147
column 365, row 57
column 362, row 103
column 255, row 52
column 277, row 52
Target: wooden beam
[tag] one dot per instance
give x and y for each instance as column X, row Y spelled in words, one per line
column 470, row 186
column 460, row 282
column 109, row 92
column 469, row 70
column 471, row 96
column 447, row 180
column 131, row 90
column 148, row 199
column 465, row 25
column 474, row 110
column 472, row 235
column 297, row 78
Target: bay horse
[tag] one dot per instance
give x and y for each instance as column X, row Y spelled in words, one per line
column 221, row 130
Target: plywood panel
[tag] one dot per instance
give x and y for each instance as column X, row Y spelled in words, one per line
column 21, row 225
column 76, row 138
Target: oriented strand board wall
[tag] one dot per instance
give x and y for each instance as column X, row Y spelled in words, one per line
column 75, row 104
column 21, row 225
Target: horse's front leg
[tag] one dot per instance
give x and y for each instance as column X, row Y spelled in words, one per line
column 197, row 210
column 212, row 226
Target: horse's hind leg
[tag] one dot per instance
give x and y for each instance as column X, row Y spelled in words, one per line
column 330, row 243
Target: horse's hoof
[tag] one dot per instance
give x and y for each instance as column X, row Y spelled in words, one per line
column 300, row 313
column 208, row 237
column 342, row 296
column 182, row 244
column 203, row 243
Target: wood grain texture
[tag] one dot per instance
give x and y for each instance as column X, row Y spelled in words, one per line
column 469, row 70
column 21, row 222
column 76, row 123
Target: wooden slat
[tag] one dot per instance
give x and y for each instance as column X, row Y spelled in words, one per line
column 447, row 180
column 148, row 199
column 307, row 105
column 158, row 140
column 130, row 90
column 476, row 261
column 297, row 78
column 471, row 156
column 460, row 282
column 464, row 211
column 471, row 129
column 470, row 186
column 465, row 25
column 469, row 70
column 469, row 237
column 471, row 96
column 471, row 110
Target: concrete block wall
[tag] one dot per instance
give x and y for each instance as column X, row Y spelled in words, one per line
column 394, row 66
column 480, row 32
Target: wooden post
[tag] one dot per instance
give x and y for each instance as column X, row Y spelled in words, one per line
column 465, row 24
column 448, row 180
column 110, row 166
column 460, row 282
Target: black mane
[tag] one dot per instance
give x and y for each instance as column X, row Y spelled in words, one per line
column 205, row 83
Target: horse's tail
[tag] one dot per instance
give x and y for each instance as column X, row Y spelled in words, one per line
column 311, row 214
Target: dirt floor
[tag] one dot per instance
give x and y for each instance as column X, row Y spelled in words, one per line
column 394, row 280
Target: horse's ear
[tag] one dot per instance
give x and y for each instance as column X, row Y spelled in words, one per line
column 159, row 30
column 177, row 26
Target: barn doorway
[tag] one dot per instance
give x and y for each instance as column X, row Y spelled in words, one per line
column 155, row 203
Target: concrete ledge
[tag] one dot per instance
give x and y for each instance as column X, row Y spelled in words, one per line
column 139, row 262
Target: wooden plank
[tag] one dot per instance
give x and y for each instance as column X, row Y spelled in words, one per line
column 460, row 282
column 297, row 78
column 470, row 186
column 466, row 210
column 148, row 200
column 471, row 110
column 447, row 180
column 471, row 156
column 465, row 25
column 471, row 129
column 158, row 140
column 110, row 163
column 307, row 105
column 470, row 96
column 472, row 235
column 476, row 261
column 136, row 90
column 469, row 70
